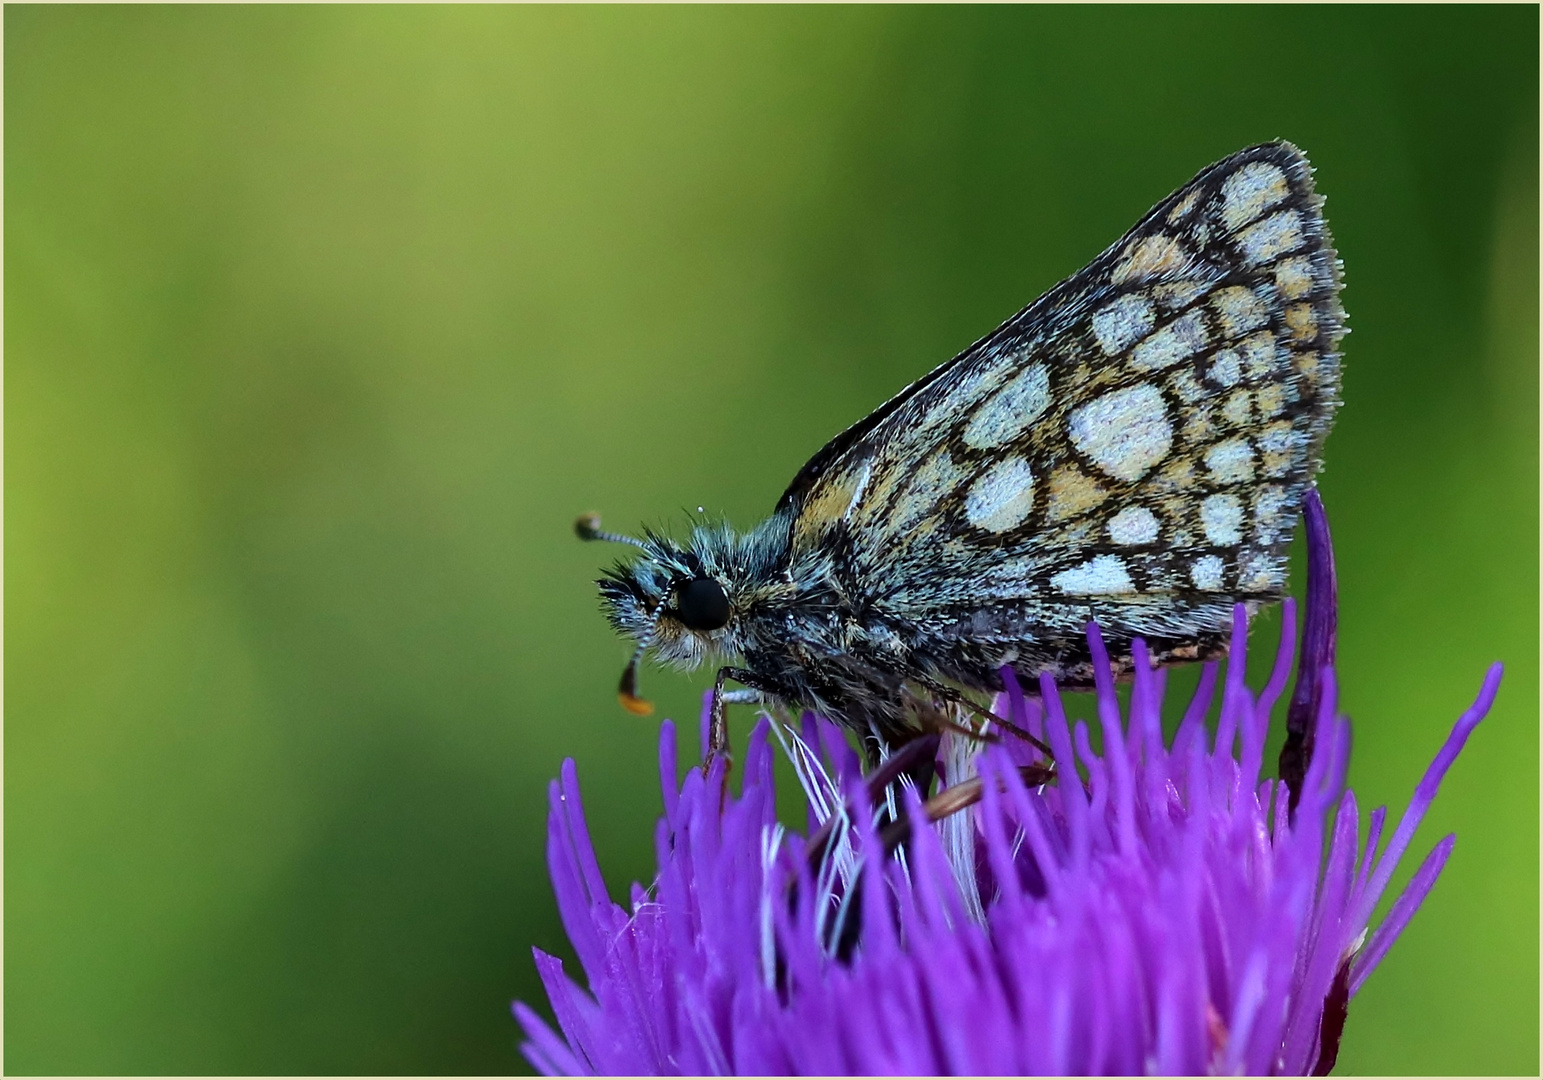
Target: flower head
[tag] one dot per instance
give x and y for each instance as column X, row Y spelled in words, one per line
column 1157, row 908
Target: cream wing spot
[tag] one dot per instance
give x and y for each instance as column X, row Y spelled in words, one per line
column 1238, row 409
column 1125, row 432
column 1251, row 191
column 1221, row 516
column 1271, row 399
column 1226, row 368
column 1198, row 427
column 1258, row 571
column 1002, row 496
column 1278, row 445
column 1239, row 310
column 1184, row 206
column 1012, row 573
column 1121, row 323
column 832, row 505
column 1181, row 338
column 1079, row 533
column 1302, row 322
column 1184, row 384
column 1073, row 492
column 1133, row 526
column 944, row 413
column 1011, row 410
column 1267, row 240
column 1269, row 509
column 1173, row 295
column 1176, row 475
column 1148, row 256
column 1260, row 355
column 1102, row 575
column 1230, row 461
column 1206, row 573
column 1294, row 277
column 935, row 478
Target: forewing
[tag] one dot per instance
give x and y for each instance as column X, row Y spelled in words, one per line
column 1133, row 445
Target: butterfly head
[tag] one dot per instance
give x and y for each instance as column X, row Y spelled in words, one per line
column 677, row 602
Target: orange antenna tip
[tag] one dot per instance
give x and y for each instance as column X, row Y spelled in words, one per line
column 634, row 704
column 627, row 692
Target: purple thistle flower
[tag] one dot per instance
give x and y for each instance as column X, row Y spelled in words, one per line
column 1171, row 913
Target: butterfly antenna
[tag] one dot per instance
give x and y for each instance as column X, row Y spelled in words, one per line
column 588, row 528
column 627, row 692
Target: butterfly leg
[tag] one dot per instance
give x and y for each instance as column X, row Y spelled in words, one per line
column 948, row 693
column 718, row 724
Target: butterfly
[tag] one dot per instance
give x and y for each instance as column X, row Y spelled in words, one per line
column 1131, row 449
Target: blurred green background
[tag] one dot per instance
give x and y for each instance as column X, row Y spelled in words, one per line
column 323, row 323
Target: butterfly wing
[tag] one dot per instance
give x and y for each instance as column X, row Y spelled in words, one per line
column 1132, row 447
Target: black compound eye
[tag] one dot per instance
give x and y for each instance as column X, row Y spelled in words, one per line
column 701, row 604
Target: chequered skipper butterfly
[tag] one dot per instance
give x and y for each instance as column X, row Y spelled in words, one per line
column 1130, row 449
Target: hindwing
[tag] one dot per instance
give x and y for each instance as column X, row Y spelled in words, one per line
column 1132, row 445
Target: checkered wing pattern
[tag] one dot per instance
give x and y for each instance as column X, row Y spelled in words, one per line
column 1133, row 446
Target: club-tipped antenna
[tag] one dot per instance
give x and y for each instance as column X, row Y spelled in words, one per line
column 627, row 690
column 588, row 528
